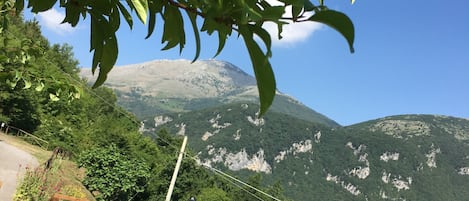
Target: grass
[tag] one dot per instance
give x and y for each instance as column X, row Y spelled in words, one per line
column 63, row 177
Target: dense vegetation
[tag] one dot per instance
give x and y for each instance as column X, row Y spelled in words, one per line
column 338, row 152
column 41, row 93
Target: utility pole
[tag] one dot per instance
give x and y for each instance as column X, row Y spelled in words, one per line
column 176, row 170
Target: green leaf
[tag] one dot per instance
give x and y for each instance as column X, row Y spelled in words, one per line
column 39, row 87
column 221, row 42
column 18, row 75
column 108, row 60
column 141, row 7
column 110, row 52
column 27, row 84
column 12, row 84
column 337, row 21
column 265, row 36
column 126, row 14
column 72, row 14
column 53, row 97
column 296, row 11
column 97, row 37
column 193, row 18
column 273, row 13
column 19, row 5
column 98, row 52
column 104, row 44
column 154, row 8
column 77, row 95
column 308, row 6
column 173, row 30
column 40, row 5
column 223, row 30
column 151, row 24
column 114, row 19
column 253, row 15
column 262, row 69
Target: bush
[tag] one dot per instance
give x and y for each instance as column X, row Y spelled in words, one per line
column 111, row 175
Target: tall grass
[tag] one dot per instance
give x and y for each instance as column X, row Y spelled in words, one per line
column 41, row 183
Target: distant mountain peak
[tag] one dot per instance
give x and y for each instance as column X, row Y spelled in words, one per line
column 163, row 86
column 201, row 79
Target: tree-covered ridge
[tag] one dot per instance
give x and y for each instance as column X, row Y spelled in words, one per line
column 411, row 157
column 50, row 101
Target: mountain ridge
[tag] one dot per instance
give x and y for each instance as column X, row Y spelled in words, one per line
column 357, row 162
column 164, row 86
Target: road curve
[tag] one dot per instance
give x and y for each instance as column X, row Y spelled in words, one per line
column 13, row 163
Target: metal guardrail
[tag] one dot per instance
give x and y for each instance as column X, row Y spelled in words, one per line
column 11, row 130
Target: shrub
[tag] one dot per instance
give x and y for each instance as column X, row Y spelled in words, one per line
column 111, row 175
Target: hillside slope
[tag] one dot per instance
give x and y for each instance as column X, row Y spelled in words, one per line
column 408, row 157
column 165, row 86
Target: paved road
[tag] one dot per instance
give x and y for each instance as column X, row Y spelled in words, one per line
column 12, row 165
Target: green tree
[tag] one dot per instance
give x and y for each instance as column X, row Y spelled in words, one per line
column 62, row 55
column 222, row 17
column 113, row 175
column 213, row 194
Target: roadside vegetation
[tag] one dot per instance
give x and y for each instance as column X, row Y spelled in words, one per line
column 40, row 183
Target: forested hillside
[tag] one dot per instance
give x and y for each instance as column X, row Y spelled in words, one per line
column 406, row 157
column 41, row 92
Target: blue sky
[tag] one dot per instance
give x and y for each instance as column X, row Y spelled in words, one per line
column 412, row 57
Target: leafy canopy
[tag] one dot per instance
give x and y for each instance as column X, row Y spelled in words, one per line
column 221, row 16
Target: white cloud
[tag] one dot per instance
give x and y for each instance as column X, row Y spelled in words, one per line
column 292, row 33
column 52, row 20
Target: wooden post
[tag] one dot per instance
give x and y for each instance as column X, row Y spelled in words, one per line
column 176, row 170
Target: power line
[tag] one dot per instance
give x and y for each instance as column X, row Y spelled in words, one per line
column 241, row 182
column 237, row 185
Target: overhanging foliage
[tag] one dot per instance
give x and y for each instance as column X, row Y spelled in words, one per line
column 223, row 17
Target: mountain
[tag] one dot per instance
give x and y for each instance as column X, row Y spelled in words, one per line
column 405, row 157
column 165, row 86
column 408, row 157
